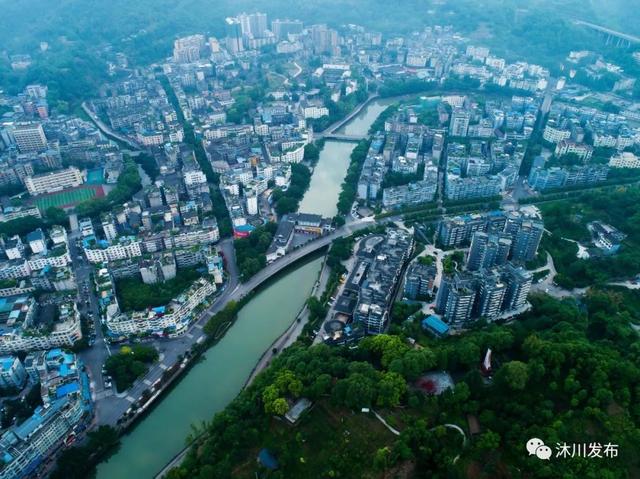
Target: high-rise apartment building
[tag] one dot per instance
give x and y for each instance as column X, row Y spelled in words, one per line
column 488, row 250
column 491, row 294
column 283, row 28
column 188, row 49
column 519, row 282
column 30, row 137
column 526, row 240
column 234, row 35
column 456, row 298
column 459, row 125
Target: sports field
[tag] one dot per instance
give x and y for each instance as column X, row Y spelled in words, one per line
column 67, row 197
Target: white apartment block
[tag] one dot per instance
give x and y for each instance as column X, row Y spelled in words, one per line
column 566, row 147
column 53, row 181
column 114, row 252
column 625, row 159
column 603, row 140
column 314, row 111
column 30, row 137
column 195, row 237
column 177, row 318
column 150, row 138
column 64, row 334
column 194, row 177
column 554, row 134
column 38, row 262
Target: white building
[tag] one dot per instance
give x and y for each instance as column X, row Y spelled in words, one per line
column 626, row 159
column 12, row 373
column 566, row 147
column 65, row 333
column 126, row 248
column 313, row 110
column 53, row 181
column 14, row 248
column 555, row 134
column 252, row 203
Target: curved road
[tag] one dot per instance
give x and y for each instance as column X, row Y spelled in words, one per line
column 110, row 408
column 108, row 131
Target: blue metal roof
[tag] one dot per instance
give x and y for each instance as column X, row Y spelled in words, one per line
column 435, row 323
column 67, row 389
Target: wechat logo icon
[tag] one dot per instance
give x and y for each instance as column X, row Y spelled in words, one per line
column 537, row 447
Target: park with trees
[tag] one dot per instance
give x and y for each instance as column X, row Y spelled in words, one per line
column 567, row 219
column 250, row 251
column 564, row 372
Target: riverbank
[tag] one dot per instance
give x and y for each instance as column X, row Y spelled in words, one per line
column 286, row 339
column 215, row 377
column 197, row 396
column 292, row 333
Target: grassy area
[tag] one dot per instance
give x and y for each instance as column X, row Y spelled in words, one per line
column 569, row 218
column 133, row 295
column 65, row 198
column 319, row 440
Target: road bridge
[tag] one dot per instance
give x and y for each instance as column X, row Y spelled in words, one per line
column 340, row 137
column 340, row 123
column 287, row 260
column 621, row 39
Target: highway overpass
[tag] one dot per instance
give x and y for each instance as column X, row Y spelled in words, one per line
column 621, row 39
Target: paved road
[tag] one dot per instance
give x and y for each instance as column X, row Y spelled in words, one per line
column 108, row 131
column 110, row 407
column 95, row 356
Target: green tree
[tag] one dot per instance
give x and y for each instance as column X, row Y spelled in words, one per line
column 56, row 215
column 515, row 374
column 391, row 388
column 280, row 406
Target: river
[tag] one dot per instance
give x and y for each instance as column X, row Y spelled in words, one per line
column 322, row 196
column 210, row 385
column 359, row 125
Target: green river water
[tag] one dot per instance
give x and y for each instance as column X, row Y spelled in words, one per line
column 210, row 385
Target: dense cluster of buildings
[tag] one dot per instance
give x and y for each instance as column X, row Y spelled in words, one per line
column 487, row 293
column 140, row 108
column 170, row 320
column 153, row 255
column 369, row 291
column 493, row 282
column 66, row 410
column 478, row 147
column 46, row 153
column 37, row 261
